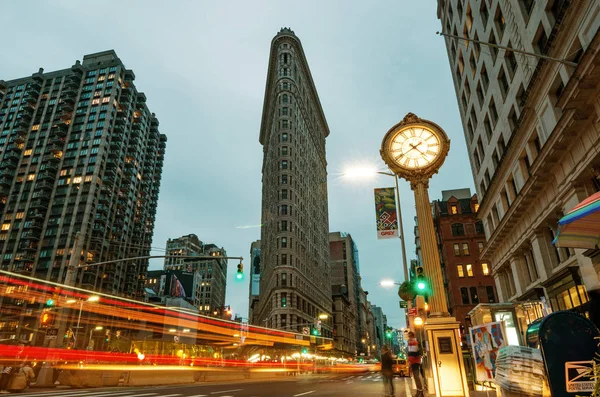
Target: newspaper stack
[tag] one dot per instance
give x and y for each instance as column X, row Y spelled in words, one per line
column 520, row 369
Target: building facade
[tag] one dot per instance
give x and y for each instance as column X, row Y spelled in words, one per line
column 81, row 154
column 254, row 290
column 183, row 246
column 295, row 281
column 467, row 278
column 345, row 283
column 532, row 136
column 209, row 275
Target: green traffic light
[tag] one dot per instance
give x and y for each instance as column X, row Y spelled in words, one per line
column 304, row 350
column 50, row 302
column 421, row 285
column 315, row 332
column 239, row 276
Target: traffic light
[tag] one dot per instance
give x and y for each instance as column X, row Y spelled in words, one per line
column 50, row 302
column 304, row 350
column 46, row 319
column 421, row 285
column 388, row 334
column 240, row 272
column 314, row 331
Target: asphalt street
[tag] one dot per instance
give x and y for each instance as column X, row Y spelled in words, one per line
column 347, row 386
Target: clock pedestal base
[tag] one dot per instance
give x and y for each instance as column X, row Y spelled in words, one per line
column 447, row 369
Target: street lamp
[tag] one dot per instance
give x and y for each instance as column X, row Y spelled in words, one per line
column 388, row 283
column 367, row 172
column 92, row 298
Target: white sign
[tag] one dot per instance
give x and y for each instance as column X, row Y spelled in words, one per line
column 176, row 338
column 305, row 330
column 578, row 376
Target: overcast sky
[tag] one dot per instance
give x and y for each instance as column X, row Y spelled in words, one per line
column 203, row 66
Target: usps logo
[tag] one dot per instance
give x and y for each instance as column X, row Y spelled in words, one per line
column 579, row 376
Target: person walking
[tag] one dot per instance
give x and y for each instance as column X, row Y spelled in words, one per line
column 415, row 354
column 387, row 372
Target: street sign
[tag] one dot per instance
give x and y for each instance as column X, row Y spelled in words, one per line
column 305, row 331
column 403, row 304
column 579, row 376
column 412, row 311
column 51, row 333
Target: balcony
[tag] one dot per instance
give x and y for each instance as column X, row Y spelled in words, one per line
column 104, row 198
column 116, row 144
column 36, row 215
column 29, row 246
column 11, row 157
column 60, row 129
column 44, row 185
column 34, row 225
column 34, row 90
column 72, row 83
column 31, row 235
column 5, row 181
column 39, row 204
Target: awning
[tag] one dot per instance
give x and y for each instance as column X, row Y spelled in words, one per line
column 580, row 227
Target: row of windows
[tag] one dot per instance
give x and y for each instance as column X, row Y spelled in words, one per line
column 468, row 268
column 471, row 296
column 458, row 229
column 464, row 250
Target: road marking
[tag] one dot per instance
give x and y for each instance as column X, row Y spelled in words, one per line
column 170, row 395
column 75, row 394
column 142, row 395
column 197, row 395
column 407, row 386
column 225, row 391
column 303, row 394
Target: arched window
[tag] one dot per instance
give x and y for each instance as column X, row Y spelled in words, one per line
column 458, row 229
column 285, row 98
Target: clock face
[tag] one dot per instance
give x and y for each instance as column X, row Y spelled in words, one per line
column 415, row 147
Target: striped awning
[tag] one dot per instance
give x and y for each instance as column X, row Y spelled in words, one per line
column 580, row 227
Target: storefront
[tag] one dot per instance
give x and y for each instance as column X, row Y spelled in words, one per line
column 565, row 291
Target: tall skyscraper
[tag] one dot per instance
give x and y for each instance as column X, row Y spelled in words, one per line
column 295, row 284
column 81, row 153
column 530, row 128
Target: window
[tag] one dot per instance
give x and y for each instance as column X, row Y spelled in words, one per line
column 499, row 22
column 284, row 179
column 284, row 137
column 490, row 294
column 285, row 98
column 5, row 226
column 480, row 246
column 469, row 270
column 284, row 194
column 456, row 249
column 284, row 151
column 485, row 269
column 488, row 128
column 465, row 248
column 511, row 61
column 504, row 87
column 458, row 229
column 464, row 294
column 284, row 226
column 526, row 7
column 283, row 261
column 461, row 271
column 484, row 78
column 474, row 296
column 284, row 209
column 454, row 209
column 480, row 95
column 485, row 14
column 540, row 40
column 283, row 242
column 476, row 207
column 284, row 164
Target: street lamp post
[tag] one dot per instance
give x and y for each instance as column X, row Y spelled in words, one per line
column 365, row 172
column 93, row 298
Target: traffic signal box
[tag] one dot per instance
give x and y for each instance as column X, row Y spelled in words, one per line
column 240, row 272
column 421, row 286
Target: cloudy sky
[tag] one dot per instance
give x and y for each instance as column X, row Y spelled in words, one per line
column 203, row 65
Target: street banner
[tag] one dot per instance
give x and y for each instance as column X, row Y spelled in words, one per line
column 385, row 211
column 486, row 341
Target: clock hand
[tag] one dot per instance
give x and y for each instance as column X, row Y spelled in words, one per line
column 416, row 147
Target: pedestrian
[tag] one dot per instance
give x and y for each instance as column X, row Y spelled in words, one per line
column 386, row 371
column 415, row 354
column 5, row 377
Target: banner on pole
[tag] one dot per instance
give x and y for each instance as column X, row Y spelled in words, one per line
column 385, row 210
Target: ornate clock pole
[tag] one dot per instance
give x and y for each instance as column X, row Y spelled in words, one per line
column 415, row 149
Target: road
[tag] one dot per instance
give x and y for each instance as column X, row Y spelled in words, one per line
column 349, row 386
